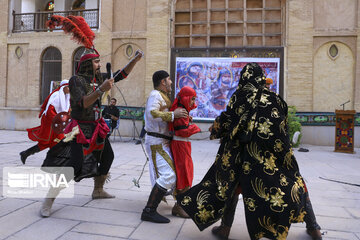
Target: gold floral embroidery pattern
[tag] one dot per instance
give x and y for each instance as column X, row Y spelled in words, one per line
column 288, row 159
column 250, row 87
column 252, row 124
column 282, row 127
column 266, row 223
column 232, row 175
column 299, row 218
column 248, row 73
column 232, row 101
column 283, row 235
column 246, row 167
column 277, row 201
column 264, row 131
column 278, row 147
column 251, row 98
column 254, row 152
column 234, row 131
column 275, row 113
column 283, row 180
column 259, row 235
column 255, row 103
column 203, row 214
column 222, row 188
column 240, row 109
column 225, row 160
column 186, row 201
column 295, row 190
column 269, row 164
column 206, row 183
column 227, row 124
column 264, row 100
column 250, row 203
column 259, row 189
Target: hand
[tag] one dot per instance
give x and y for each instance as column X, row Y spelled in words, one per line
column 107, row 85
column 180, row 113
column 138, row 55
column 190, row 118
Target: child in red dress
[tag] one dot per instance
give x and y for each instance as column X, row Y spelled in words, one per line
column 181, row 145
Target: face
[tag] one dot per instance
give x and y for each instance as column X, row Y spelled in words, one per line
column 66, row 90
column 226, row 79
column 166, row 83
column 192, row 101
column 195, row 69
column 112, row 102
column 96, row 65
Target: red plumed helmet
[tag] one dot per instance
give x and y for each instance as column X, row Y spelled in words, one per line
column 76, row 25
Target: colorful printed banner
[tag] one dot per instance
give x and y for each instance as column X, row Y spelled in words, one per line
column 215, row 80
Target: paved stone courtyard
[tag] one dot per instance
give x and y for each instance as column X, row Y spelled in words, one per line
column 336, row 205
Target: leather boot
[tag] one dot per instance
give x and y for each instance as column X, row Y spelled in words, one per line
column 179, row 212
column 25, row 154
column 99, row 191
column 45, row 210
column 223, row 231
column 149, row 212
column 312, row 227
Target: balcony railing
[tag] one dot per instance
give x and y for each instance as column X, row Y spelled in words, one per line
column 36, row 22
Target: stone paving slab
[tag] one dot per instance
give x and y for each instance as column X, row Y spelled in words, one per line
column 9, row 205
column 103, row 229
column 45, row 229
column 118, row 205
column 147, row 230
column 95, row 215
column 85, row 236
column 339, row 224
column 18, row 220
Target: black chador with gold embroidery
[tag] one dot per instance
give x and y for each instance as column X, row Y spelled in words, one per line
column 256, row 155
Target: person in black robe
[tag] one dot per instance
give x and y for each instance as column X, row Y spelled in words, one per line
column 255, row 158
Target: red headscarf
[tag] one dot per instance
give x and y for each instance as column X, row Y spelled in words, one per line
column 183, row 99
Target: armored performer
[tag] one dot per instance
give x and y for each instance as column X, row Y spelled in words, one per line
column 90, row 152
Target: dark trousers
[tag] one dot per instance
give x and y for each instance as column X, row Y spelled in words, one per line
column 104, row 157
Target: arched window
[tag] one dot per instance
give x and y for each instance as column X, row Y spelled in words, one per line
column 76, row 58
column 51, row 70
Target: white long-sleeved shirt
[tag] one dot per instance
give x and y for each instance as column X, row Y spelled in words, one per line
column 157, row 116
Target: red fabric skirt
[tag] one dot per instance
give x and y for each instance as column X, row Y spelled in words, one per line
column 181, row 152
column 44, row 134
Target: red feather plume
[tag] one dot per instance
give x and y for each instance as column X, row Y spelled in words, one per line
column 82, row 24
column 70, row 27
